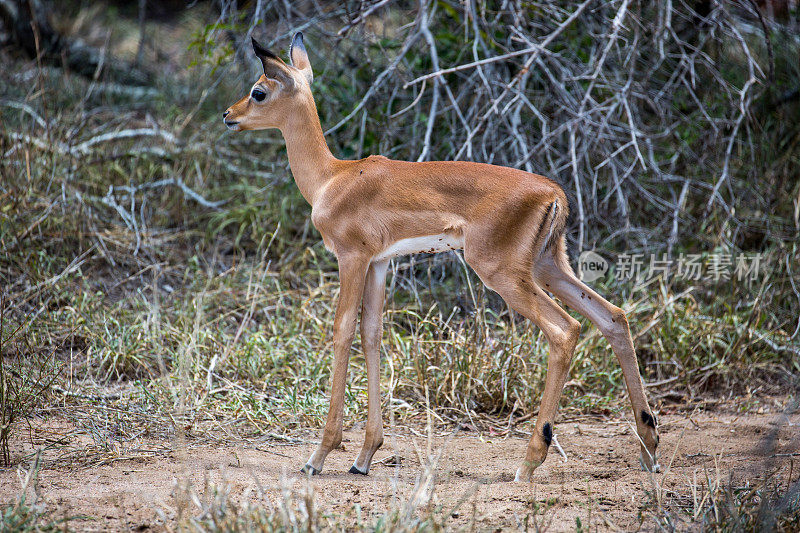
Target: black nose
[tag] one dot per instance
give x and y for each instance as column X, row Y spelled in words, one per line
column 225, row 114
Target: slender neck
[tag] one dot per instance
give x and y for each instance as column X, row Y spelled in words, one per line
column 309, row 157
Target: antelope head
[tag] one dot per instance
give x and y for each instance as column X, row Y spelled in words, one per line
column 273, row 96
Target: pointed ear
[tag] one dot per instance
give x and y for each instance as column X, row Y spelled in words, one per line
column 273, row 65
column 262, row 53
column 299, row 57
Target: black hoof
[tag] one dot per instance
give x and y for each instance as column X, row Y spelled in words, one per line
column 354, row 470
column 308, row 469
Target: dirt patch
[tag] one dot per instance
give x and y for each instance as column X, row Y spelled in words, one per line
column 600, row 483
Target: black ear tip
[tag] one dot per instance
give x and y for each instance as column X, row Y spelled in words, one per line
column 260, row 51
column 297, row 41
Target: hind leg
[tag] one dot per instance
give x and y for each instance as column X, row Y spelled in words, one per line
column 518, row 289
column 554, row 273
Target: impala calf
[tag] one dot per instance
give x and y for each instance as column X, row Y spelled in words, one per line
column 509, row 223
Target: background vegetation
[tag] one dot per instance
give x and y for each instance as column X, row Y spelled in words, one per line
column 152, row 262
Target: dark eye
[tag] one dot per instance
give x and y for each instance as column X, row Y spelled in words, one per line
column 258, row 95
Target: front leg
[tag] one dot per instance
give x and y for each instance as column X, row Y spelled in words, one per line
column 371, row 333
column 352, row 271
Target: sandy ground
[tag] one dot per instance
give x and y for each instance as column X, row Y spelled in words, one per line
column 600, row 482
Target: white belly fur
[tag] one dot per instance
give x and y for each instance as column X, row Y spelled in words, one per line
column 429, row 244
